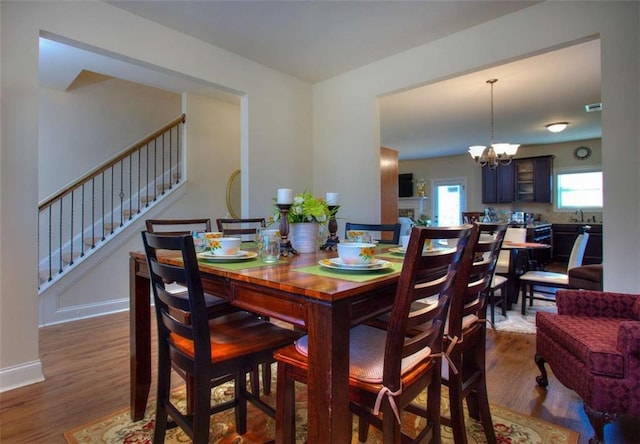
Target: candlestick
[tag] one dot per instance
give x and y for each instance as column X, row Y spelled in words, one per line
column 333, row 239
column 331, row 199
column 286, row 249
column 285, row 196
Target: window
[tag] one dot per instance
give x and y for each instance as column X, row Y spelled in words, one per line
column 579, row 190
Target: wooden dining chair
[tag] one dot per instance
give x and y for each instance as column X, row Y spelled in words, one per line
column 244, row 228
column 216, row 306
column 178, row 226
column 390, row 364
column 550, row 279
column 209, row 351
column 389, row 233
column 465, row 374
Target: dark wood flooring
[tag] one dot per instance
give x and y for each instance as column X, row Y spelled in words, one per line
column 86, row 364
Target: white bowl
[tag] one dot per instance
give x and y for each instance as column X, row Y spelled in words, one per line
column 356, row 253
column 225, row 246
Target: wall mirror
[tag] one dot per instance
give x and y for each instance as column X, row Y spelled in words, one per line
column 233, row 195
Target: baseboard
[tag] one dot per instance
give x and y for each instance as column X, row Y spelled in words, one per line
column 20, row 375
column 86, row 311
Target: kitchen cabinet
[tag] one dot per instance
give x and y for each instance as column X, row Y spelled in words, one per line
column 564, row 236
column 497, row 185
column 533, row 179
column 524, row 180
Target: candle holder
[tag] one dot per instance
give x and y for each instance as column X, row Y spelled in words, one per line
column 332, row 240
column 285, row 244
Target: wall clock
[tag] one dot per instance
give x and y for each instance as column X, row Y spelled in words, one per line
column 582, row 152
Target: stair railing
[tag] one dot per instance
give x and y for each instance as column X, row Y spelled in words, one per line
column 82, row 215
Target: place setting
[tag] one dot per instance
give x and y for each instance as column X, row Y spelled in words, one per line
column 213, row 247
column 358, row 257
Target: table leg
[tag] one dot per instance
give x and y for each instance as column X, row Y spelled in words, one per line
column 139, row 340
column 328, row 383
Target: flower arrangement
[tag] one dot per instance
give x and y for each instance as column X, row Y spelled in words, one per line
column 306, row 208
column 423, row 221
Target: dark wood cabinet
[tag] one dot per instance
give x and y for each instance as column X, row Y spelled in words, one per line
column 497, row 185
column 524, row 180
column 564, row 236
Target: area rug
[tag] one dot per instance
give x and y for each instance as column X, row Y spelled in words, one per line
column 515, row 322
column 510, row 426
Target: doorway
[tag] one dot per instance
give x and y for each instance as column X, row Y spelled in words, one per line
column 450, row 198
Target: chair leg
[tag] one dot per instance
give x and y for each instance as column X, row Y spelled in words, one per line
column 240, row 389
column 492, row 302
column 456, row 407
column 598, row 420
column 201, row 409
column 266, row 378
column 523, row 287
column 543, row 379
column 164, row 382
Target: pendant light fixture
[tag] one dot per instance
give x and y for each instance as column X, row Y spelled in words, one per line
column 496, row 153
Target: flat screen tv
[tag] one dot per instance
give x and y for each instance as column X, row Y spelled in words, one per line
column 405, row 185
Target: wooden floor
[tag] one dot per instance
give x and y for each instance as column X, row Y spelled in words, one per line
column 86, row 364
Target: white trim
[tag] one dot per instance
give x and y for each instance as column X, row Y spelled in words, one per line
column 20, row 375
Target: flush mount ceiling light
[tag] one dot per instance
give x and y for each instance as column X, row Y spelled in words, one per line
column 496, row 153
column 557, row 127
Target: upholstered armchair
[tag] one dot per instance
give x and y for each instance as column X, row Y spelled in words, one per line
column 593, row 347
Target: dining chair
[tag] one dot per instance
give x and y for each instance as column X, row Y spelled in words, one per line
column 469, row 217
column 389, row 233
column 216, row 306
column 464, row 373
column 388, row 368
column 209, row 351
column 549, row 279
column 245, row 228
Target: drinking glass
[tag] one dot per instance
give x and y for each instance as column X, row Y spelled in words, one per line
column 269, row 245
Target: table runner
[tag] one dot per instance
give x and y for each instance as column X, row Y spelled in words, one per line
column 347, row 275
column 240, row 265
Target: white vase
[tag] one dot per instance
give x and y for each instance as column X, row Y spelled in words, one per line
column 304, row 237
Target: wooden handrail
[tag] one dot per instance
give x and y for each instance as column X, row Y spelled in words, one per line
column 108, row 164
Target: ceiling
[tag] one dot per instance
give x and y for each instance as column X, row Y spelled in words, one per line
column 315, row 40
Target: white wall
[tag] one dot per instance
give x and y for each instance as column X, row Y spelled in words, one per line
column 77, row 135
column 346, row 121
column 275, row 139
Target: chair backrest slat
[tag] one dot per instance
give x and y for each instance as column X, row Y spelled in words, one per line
column 173, row 227
column 393, row 229
column 246, row 228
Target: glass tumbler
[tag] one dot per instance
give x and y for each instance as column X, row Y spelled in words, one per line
column 269, row 245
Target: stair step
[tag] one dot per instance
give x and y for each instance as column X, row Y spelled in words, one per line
column 91, row 241
column 110, row 227
column 164, row 187
column 67, row 257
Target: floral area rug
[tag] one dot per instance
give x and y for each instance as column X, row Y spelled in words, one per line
column 510, row 426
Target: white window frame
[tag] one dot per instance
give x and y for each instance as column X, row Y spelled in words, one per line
column 571, row 170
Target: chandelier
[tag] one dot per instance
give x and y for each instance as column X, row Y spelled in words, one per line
column 496, row 153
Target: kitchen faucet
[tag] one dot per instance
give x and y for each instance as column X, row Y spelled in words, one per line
column 581, row 214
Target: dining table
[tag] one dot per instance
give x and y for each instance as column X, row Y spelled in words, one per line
column 306, row 290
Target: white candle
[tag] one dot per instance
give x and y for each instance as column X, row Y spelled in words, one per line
column 285, row 196
column 332, row 199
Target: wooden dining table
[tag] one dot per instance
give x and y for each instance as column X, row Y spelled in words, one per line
column 324, row 302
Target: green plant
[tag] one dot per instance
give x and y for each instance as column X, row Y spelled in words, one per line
column 306, row 208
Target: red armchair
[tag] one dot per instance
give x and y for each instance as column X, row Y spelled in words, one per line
column 593, row 347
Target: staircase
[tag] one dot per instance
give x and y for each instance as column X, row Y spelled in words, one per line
column 86, row 215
